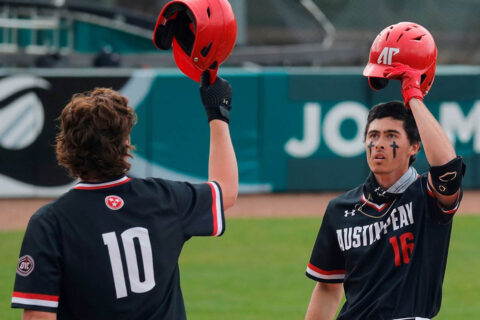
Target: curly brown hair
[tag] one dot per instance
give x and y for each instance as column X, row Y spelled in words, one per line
column 93, row 142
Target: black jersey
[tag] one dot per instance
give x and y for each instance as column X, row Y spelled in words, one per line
column 110, row 250
column 391, row 257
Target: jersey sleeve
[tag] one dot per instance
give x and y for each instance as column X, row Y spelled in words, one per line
column 200, row 208
column 38, row 277
column 438, row 211
column 327, row 263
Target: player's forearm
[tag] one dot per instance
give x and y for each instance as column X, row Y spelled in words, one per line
column 438, row 148
column 324, row 302
column 38, row 315
column 222, row 166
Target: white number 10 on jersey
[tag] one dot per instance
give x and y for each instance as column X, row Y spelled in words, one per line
column 136, row 285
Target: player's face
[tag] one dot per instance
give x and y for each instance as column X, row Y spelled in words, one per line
column 388, row 148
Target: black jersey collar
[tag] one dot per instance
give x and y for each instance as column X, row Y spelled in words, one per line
column 83, row 185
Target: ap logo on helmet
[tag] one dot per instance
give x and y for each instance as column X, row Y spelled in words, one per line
column 386, row 55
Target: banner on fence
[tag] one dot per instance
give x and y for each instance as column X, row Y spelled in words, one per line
column 292, row 129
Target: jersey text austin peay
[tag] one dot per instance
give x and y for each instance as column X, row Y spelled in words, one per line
column 354, row 237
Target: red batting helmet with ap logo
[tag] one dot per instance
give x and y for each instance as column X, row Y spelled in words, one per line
column 203, row 34
column 407, row 43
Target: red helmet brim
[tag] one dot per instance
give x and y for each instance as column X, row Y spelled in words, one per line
column 374, row 70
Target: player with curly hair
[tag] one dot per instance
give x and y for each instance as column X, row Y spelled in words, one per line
column 109, row 247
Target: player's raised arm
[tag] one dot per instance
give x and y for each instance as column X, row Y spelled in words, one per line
column 324, row 302
column 222, row 166
column 446, row 169
column 38, row 315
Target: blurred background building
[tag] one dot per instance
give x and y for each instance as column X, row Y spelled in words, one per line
column 271, row 32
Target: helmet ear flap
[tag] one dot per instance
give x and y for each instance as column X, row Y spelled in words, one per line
column 164, row 35
column 377, row 83
column 180, row 24
column 184, row 35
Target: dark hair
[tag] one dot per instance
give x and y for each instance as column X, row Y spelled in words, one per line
column 395, row 110
column 94, row 128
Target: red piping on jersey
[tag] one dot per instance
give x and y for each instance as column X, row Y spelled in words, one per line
column 214, row 209
column 430, row 193
column 36, row 296
column 371, row 204
column 325, row 272
column 94, row 187
column 450, row 211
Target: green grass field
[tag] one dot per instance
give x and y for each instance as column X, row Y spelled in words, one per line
column 256, row 271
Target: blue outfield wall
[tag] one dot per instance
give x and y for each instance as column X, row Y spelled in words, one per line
column 297, row 129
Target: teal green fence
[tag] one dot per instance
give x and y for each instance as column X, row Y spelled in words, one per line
column 90, row 38
column 298, row 129
column 292, row 129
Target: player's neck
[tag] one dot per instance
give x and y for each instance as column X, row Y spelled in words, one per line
column 386, row 180
column 89, row 180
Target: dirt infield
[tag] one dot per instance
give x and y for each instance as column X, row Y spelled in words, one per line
column 15, row 213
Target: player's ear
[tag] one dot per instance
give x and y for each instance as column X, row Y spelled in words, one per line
column 415, row 147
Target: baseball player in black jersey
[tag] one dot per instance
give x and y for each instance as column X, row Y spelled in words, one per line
column 109, row 248
column 387, row 240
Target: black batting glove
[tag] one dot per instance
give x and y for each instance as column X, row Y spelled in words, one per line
column 216, row 98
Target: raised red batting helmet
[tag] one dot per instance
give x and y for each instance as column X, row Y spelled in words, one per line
column 203, row 33
column 407, row 43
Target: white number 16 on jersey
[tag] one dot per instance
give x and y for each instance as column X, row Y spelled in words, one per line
column 128, row 236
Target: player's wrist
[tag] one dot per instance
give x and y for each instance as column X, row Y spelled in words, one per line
column 217, row 123
column 410, row 94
